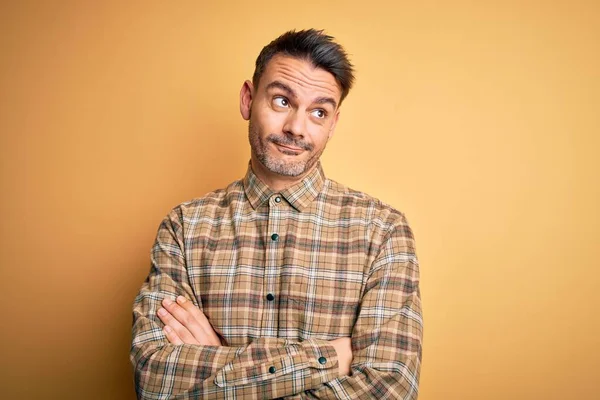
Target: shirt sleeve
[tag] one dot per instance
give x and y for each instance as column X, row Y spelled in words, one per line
column 387, row 336
column 265, row 368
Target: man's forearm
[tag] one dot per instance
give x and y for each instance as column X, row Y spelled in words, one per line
column 186, row 324
column 266, row 368
column 185, row 358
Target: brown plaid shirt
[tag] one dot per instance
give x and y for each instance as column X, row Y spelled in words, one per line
column 279, row 275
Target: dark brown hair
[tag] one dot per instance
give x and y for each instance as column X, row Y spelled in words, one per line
column 312, row 45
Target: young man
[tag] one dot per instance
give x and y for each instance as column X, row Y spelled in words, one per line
column 285, row 283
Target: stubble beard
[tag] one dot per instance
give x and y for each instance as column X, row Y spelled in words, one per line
column 277, row 165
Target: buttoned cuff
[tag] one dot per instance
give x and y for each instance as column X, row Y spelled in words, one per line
column 322, row 359
column 271, row 369
column 316, row 356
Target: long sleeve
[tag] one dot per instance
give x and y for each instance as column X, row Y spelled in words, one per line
column 387, row 336
column 264, row 368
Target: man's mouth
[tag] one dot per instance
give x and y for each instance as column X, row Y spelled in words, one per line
column 287, row 148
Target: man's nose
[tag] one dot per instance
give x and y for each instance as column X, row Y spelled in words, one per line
column 295, row 123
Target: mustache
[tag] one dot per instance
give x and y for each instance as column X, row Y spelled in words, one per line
column 288, row 141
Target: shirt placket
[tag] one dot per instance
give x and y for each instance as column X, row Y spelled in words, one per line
column 274, row 258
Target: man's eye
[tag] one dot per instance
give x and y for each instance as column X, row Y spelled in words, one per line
column 281, row 102
column 319, row 113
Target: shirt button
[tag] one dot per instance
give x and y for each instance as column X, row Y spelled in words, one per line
column 272, row 369
column 277, row 199
column 274, row 237
column 270, row 297
column 322, row 360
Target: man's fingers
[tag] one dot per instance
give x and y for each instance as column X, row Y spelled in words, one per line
column 181, row 331
column 196, row 313
column 192, row 309
column 172, row 335
column 194, row 320
column 184, row 317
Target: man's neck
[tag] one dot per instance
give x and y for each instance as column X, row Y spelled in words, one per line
column 276, row 182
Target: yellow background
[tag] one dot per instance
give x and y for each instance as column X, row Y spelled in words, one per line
column 479, row 119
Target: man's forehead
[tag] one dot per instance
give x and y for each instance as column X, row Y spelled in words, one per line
column 302, row 76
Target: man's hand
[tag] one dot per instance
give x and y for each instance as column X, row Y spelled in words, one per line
column 186, row 324
column 343, row 348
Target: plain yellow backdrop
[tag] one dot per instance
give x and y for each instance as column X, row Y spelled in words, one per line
column 478, row 119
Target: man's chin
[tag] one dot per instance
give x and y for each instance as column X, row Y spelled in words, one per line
column 285, row 168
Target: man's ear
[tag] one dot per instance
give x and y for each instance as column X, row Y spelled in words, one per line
column 246, row 96
column 333, row 124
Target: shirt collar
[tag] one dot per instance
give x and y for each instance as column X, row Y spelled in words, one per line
column 299, row 195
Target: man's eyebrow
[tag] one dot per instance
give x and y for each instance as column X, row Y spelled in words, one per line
column 282, row 86
column 291, row 93
column 323, row 100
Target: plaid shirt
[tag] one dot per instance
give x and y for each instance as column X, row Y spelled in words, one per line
column 279, row 275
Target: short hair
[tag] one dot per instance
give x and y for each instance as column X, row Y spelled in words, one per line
column 314, row 46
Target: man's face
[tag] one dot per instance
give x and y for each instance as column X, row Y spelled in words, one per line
column 292, row 114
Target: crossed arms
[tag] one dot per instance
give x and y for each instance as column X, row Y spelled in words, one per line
column 178, row 355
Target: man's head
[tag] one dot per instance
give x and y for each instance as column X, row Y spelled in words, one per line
column 292, row 103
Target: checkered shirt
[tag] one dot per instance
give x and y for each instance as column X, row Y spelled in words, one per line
column 279, row 275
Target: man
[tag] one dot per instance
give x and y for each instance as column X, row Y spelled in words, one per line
column 285, row 283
